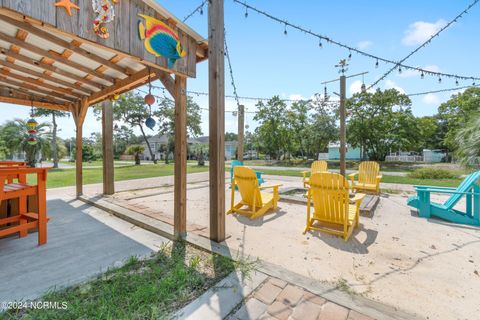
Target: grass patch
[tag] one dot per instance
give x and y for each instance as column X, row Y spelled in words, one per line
column 141, row 289
column 66, row 177
column 433, row 173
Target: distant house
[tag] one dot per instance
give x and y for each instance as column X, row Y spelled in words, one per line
column 352, row 153
column 158, row 141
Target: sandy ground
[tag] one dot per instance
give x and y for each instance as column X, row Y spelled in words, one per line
column 427, row 267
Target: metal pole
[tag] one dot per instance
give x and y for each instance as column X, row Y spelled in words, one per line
column 343, row 131
column 241, row 131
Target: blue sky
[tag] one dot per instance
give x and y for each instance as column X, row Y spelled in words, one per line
column 267, row 63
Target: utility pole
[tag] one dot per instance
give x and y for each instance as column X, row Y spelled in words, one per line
column 343, row 129
column 342, row 111
column 241, row 131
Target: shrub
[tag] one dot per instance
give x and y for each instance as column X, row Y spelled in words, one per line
column 433, row 173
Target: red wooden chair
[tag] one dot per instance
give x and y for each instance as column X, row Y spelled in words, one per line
column 9, row 189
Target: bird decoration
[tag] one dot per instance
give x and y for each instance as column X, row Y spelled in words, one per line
column 105, row 14
column 160, row 40
column 67, row 5
column 150, row 123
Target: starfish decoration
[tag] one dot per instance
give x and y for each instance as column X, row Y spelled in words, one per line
column 67, row 5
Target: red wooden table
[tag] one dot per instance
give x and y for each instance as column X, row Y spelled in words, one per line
column 13, row 185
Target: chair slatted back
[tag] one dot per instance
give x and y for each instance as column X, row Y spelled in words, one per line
column 465, row 186
column 247, row 182
column 368, row 172
column 330, row 195
column 319, row 166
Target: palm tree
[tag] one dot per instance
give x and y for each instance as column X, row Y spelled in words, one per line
column 468, row 141
column 136, row 150
column 15, row 135
column 54, row 114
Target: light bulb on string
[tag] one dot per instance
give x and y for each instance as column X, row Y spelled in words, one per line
column 400, row 70
column 246, row 12
column 201, row 10
column 350, row 55
column 439, row 80
column 285, row 30
column 320, row 43
column 456, row 82
column 422, row 75
column 376, row 64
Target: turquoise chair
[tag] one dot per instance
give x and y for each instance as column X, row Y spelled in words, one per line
column 468, row 188
column 240, row 163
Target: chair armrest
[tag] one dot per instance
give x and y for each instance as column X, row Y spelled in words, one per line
column 352, row 175
column 270, row 186
column 379, row 177
column 304, row 174
column 358, row 197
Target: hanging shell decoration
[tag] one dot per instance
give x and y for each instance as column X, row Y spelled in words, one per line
column 105, row 14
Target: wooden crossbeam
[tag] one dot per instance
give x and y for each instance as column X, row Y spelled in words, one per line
column 54, row 56
column 121, row 85
column 36, row 103
column 45, row 65
column 72, row 46
column 44, row 76
column 28, row 86
column 166, row 80
column 25, row 94
column 38, row 83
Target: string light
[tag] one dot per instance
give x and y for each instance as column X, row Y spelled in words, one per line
column 230, row 69
column 436, row 34
column 320, row 43
column 197, row 9
column 352, row 49
column 285, row 30
column 376, row 64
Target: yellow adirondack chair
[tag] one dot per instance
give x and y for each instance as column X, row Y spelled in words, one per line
column 369, row 177
column 329, row 193
column 258, row 202
column 317, row 166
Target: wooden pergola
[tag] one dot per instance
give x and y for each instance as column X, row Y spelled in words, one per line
column 52, row 60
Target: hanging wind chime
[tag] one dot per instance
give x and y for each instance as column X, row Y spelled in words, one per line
column 150, row 99
column 32, row 128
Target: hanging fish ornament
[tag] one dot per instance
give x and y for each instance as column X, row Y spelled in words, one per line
column 105, row 14
column 160, row 40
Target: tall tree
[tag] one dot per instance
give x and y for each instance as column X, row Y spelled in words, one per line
column 54, row 114
column 381, row 122
column 456, row 113
column 468, row 142
column 272, row 130
column 166, row 116
column 131, row 109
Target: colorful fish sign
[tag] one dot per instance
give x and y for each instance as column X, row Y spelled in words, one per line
column 160, row 40
column 105, row 14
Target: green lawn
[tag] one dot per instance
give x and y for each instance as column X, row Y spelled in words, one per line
column 141, row 289
column 386, row 178
column 66, row 177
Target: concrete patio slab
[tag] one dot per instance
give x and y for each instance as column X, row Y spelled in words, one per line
column 82, row 242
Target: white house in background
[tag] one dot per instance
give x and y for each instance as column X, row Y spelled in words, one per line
column 431, row 156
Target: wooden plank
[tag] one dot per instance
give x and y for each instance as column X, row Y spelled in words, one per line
column 122, row 25
column 23, row 6
column 28, row 86
column 216, row 89
column 37, row 82
column 62, row 43
column 180, row 158
column 44, row 11
column 80, row 110
column 47, row 66
column 36, row 103
column 54, row 56
column 107, row 146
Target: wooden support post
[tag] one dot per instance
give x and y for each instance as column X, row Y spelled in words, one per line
column 343, row 130
column 241, row 131
column 107, row 147
column 180, row 157
column 79, row 114
column 216, row 84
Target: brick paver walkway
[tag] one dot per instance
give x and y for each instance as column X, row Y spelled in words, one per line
column 276, row 299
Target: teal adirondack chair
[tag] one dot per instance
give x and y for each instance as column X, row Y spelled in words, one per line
column 240, row 163
column 468, row 188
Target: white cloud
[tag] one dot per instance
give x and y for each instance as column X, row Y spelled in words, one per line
column 418, row 32
column 296, row 97
column 431, row 99
column 389, row 84
column 362, row 45
column 414, row 73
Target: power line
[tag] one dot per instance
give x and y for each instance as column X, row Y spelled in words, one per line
column 351, row 49
column 197, row 9
column 436, row 34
